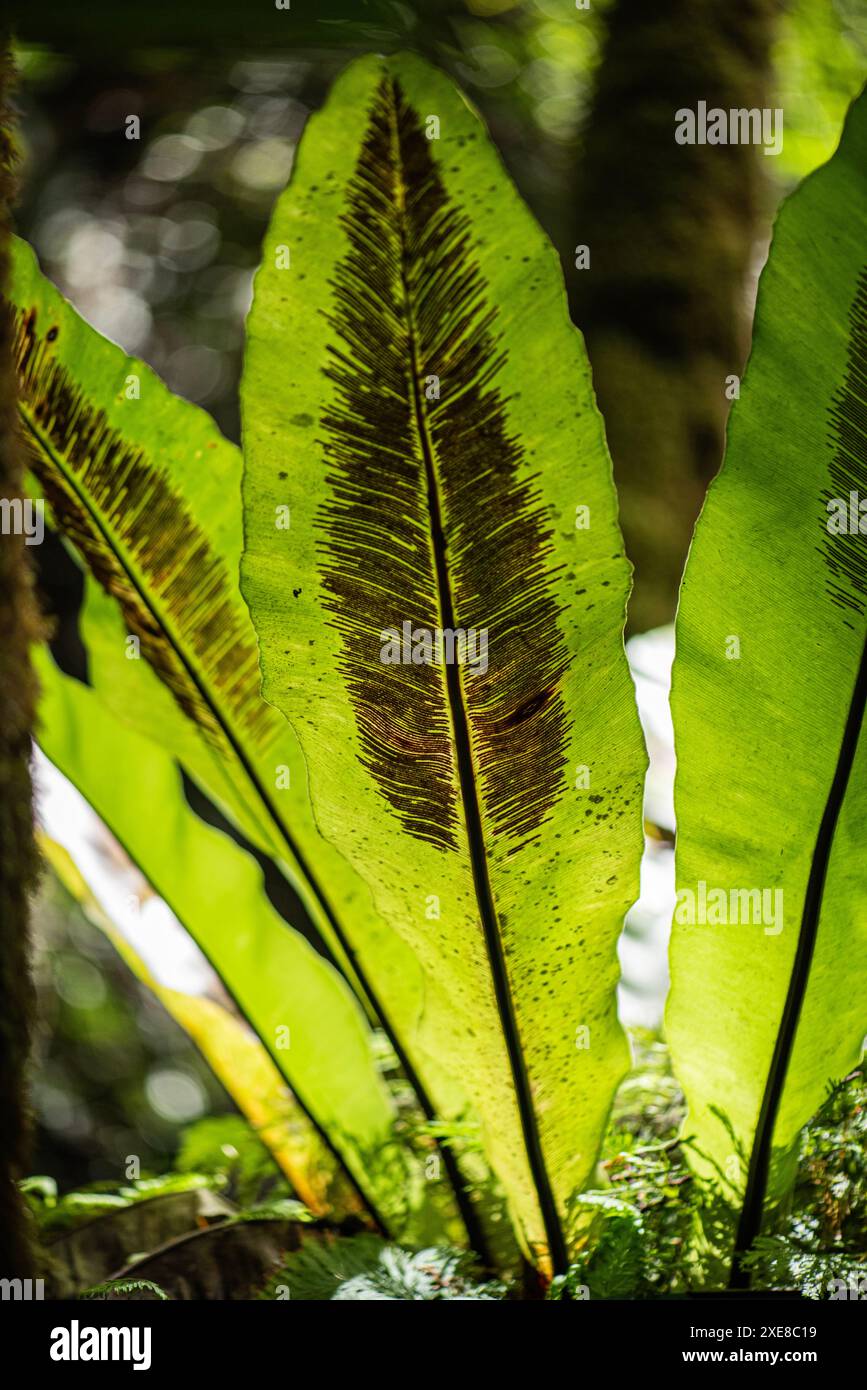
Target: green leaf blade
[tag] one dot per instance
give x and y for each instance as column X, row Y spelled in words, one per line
column 771, row 790
column 102, row 430
column 434, row 465
column 296, row 1002
column 164, row 558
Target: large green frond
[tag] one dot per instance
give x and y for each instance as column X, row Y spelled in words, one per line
column 769, row 947
column 441, row 622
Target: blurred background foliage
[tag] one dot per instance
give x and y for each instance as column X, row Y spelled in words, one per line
column 156, row 238
column 113, row 1076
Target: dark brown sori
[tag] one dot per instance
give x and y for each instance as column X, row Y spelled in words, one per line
column 119, row 509
column 429, row 521
column 846, row 554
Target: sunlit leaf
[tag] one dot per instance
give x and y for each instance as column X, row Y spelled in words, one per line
column 769, row 949
column 298, row 1005
column 416, row 398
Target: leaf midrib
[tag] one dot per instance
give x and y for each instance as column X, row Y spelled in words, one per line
column 467, row 781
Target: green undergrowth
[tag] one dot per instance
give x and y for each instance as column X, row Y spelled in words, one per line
column 639, row 1222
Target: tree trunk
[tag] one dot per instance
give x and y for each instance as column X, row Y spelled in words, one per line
column 19, row 626
column 672, row 231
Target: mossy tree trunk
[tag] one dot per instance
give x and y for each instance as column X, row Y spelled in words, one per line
column 18, row 628
column 672, row 231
